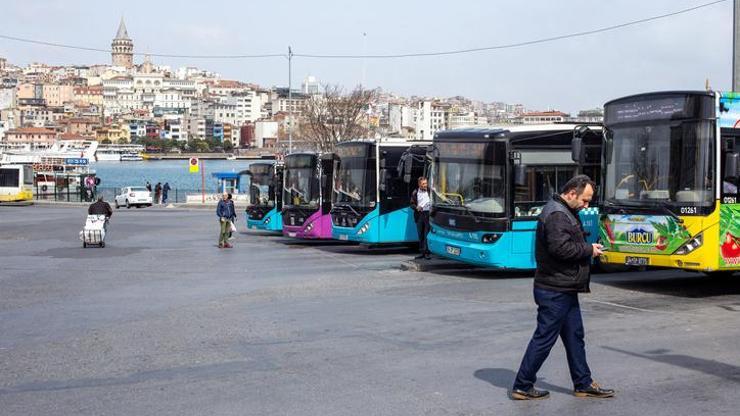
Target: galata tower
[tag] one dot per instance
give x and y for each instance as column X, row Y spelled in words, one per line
column 122, row 48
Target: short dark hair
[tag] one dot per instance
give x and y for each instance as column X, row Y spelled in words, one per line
column 578, row 183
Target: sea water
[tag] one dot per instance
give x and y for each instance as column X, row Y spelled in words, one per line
column 176, row 172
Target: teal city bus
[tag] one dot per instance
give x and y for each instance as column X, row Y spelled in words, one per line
column 489, row 185
column 373, row 181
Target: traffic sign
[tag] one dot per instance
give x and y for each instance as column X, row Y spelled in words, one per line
column 194, row 164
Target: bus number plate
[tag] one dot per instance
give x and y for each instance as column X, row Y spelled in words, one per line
column 636, row 261
column 344, row 237
column 455, row 251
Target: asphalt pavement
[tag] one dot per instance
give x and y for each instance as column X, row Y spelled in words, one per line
column 162, row 322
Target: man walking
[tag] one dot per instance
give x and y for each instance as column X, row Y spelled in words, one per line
column 563, row 270
column 225, row 213
column 165, row 192
column 421, row 202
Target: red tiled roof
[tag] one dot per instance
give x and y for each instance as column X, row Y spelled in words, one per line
column 30, row 130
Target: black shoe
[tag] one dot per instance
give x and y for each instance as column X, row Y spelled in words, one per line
column 531, row 394
column 427, row 256
column 420, row 256
column 594, row 390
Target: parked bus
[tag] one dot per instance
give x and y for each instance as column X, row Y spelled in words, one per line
column 16, row 183
column 489, row 185
column 671, row 177
column 373, row 181
column 307, row 192
column 265, row 196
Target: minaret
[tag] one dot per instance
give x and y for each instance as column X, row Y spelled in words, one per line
column 122, row 48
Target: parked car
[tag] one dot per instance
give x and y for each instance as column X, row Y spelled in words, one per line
column 133, row 196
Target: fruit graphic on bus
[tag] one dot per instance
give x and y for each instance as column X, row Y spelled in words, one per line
column 662, row 243
column 730, row 249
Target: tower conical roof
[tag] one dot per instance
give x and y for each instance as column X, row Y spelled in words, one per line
column 122, row 33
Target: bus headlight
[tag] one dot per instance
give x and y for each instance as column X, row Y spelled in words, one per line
column 267, row 220
column 691, row 245
column 490, row 238
column 309, row 227
column 364, row 228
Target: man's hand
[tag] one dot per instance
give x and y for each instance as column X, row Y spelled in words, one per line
column 598, row 250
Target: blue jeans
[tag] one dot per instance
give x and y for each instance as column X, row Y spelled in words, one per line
column 558, row 314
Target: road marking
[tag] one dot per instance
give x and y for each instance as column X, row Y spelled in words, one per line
column 628, row 307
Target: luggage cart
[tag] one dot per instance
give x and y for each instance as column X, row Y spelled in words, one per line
column 93, row 234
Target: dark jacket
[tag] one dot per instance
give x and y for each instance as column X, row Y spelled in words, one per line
column 562, row 253
column 225, row 209
column 100, row 208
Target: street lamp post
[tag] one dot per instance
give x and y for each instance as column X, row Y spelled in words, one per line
column 290, row 99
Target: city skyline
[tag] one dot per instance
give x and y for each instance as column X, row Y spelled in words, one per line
column 569, row 75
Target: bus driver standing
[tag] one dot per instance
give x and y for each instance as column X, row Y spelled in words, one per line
column 421, row 202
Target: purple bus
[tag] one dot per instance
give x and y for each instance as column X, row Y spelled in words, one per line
column 307, row 187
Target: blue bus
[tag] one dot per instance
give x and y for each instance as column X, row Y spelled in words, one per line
column 489, row 185
column 373, row 181
column 265, row 196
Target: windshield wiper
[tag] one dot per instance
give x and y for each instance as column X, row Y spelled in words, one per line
column 303, row 194
column 346, row 205
column 659, row 207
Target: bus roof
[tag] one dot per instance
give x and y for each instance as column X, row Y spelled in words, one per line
column 503, row 131
column 657, row 94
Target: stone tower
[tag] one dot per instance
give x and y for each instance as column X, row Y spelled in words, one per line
column 122, row 48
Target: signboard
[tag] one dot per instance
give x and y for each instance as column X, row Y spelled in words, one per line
column 194, row 164
column 76, row 161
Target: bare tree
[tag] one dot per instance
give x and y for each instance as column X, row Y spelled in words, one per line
column 333, row 117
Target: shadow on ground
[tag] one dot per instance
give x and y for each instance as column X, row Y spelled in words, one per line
column 725, row 371
column 673, row 283
column 503, row 378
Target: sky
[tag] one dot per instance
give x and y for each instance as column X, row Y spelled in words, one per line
column 679, row 52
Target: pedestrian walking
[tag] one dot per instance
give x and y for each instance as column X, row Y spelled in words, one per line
column 563, row 270
column 158, row 193
column 226, row 214
column 421, row 202
column 165, row 192
column 148, row 186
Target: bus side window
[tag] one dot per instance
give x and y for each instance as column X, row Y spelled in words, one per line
column 730, row 180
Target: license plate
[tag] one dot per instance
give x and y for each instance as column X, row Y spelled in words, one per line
column 291, row 234
column 344, row 237
column 455, row 251
column 636, row 261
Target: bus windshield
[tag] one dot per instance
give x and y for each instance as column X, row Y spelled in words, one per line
column 354, row 182
column 262, row 186
column 301, row 182
column 662, row 162
column 470, row 176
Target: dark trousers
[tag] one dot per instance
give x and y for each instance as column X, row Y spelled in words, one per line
column 558, row 314
column 422, row 227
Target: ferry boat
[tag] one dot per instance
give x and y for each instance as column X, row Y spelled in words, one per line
column 61, row 149
column 119, row 153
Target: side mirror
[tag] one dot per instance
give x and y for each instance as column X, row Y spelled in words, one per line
column 520, row 175
column 732, row 165
column 577, row 150
column 407, row 177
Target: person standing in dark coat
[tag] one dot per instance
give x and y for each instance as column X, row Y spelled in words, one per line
column 165, row 192
column 100, row 207
column 158, row 193
column 421, row 202
column 563, row 270
column 226, row 214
